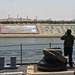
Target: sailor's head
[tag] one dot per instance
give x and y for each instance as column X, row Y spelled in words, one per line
column 68, row 31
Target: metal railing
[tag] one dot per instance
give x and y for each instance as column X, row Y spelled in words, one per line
column 27, row 53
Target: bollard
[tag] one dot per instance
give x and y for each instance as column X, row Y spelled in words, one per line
column 1, row 62
column 13, row 61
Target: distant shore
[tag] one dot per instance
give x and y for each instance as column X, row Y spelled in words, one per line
column 27, row 20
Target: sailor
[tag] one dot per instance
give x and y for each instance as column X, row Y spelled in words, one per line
column 68, row 45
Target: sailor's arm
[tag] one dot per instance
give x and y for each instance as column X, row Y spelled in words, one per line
column 63, row 37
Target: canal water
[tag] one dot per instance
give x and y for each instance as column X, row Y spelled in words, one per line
column 31, row 48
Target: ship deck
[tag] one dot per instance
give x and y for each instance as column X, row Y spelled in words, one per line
column 32, row 70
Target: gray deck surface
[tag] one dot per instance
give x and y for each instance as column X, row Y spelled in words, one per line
column 23, row 68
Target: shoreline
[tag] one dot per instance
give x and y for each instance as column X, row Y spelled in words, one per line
column 30, row 35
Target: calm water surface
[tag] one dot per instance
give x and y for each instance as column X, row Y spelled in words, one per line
column 31, row 53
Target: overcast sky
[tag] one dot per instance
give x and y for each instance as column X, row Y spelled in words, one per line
column 43, row 9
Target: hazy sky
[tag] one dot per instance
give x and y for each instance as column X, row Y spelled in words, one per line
column 43, row 9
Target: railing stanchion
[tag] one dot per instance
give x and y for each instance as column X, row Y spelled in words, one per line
column 50, row 45
column 21, row 53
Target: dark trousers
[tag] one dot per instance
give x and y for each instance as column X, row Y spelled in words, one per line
column 68, row 52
